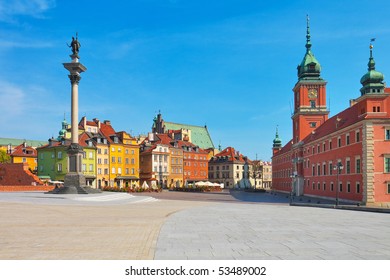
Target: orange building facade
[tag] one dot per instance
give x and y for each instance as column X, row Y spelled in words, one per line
column 345, row 157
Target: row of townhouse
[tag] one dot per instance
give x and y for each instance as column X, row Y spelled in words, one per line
column 110, row 158
column 21, row 151
column 172, row 161
column 172, row 155
column 235, row 170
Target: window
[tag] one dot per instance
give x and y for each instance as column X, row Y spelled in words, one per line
column 330, row 145
column 349, row 187
column 91, row 155
column 313, row 124
column 358, row 187
column 387, row 136
column 331, row 187
column 91, row 167
column 347, row 139
column 339, row 142
column 119, row 170
column 84, row 168
column 388, row 188
column 341, row 187
column 357, row 136
column 112, row 159
column 59, row 167
column 312, row 104
column 324, row 168
column 59, row 155
column 358, row 169
column 119, row 160
column 387, row 164
column 132, row 171
column 113, row 170
column 99, row 171
column 330, row 168
column 348, row 166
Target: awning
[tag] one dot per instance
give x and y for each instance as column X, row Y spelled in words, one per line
column 126, row 178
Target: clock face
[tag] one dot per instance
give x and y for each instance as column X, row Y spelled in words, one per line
column 312, row 93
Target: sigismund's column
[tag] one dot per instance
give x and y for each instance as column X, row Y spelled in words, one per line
column 74, row 181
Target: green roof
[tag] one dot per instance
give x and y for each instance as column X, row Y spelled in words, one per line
column 17, row 142
column 199, row 134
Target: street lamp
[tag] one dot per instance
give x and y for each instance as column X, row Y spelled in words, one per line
column 339, row 166
column 293, row 176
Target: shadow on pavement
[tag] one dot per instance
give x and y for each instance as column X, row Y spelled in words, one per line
column 263, row 197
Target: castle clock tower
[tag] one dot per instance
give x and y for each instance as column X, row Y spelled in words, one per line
column 310, row 109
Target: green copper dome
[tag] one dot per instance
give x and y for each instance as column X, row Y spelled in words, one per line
column 309, row 68
column 372, row 81
column 277, row 141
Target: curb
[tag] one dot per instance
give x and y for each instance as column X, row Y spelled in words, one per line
column 343, row 207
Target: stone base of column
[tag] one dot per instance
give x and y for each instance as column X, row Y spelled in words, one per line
column 74, row 183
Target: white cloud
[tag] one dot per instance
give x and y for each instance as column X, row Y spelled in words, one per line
column 25, row 44
column 34, row 8
column 12, row 100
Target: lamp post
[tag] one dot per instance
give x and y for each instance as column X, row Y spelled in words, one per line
column 293, row 176
column 339, row 166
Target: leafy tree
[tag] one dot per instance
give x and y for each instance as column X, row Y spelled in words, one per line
column 4, row 157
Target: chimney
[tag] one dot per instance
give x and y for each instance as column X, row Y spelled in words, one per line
column 107, row 122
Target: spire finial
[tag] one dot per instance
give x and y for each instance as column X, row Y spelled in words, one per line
column 308, row 42
column 371, row 62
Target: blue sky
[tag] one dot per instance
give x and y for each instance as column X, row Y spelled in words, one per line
column 228, row 64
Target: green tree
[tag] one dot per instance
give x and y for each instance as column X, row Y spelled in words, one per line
column 4, row 157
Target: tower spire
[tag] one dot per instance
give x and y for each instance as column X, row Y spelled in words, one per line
column 308, row 42
column 372, row 81
column 371, row 61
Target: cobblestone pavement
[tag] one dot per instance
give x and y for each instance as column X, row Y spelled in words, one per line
column 113, row 226
column 261, row 231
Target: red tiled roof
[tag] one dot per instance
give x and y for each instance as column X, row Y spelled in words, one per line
column 107, row 130
column 343, row 119
column 22, row 151
column 83, row 138
column 231, row 155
